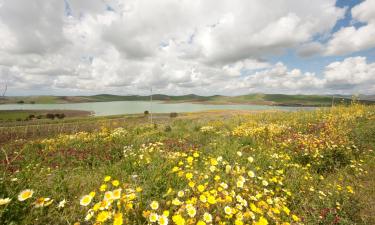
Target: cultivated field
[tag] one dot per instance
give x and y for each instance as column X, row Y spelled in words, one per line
column 308, row 167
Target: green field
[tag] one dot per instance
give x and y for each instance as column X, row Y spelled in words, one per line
column 260, row 99
column 222, row 167
column 24, row 115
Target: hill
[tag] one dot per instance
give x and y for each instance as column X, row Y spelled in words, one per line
column 256, row 99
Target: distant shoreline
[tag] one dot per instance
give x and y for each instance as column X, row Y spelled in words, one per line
column 250, row 99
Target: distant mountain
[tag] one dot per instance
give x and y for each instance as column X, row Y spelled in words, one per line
column 259, row 99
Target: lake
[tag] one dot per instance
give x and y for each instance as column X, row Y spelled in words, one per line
column 129, row 107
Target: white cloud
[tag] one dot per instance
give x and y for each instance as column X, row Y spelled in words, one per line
column 176, row 46
column 351, row 39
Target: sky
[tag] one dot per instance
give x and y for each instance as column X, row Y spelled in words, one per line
column 205, row 47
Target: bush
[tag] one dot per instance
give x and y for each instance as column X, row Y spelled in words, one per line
column 146, row 112
column 60, row 116
column 173, row 115
column 168, row 129
column 50, row 116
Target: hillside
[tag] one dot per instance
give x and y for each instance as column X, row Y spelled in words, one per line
column 258, row 99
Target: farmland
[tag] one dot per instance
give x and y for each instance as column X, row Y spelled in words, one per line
column 307, row 167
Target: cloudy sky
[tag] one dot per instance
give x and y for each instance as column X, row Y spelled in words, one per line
column 231, row 47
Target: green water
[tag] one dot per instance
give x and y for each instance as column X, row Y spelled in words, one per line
column 129, row 107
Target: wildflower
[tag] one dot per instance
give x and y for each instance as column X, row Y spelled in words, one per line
column 200, row 188
column 261, row 221
column 178, row 219
column 103, row 216
column 4, row 201
column 25, row 194
column 207, row 217
column 176, row 201
column 228, row 210
column 211, row 199
column 103, row 187
column 117, row 193
column 189, row 176
column 163, row 220
column 166, row 213
column 108, row 195
column 203, row 198
column 115, row 183
column 118, row 219
column 250, row 159
column 200, row 222
column 85, row 200
column 107, row 178
column 295, row 218
column 180, row 194
column 154, row 205
column 191, row 211
column 41, row 202
column 89, row 215
column 153, row 217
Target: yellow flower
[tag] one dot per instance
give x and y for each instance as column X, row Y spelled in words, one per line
column 261, row 221
column 178, row 219
column 118, row 219
column 251, row 174
column 154, row 205
column 211, row 199
column 176, row 201
column 103, row 187
column 189, row 176
column 203, row 198
column 108, row 195
column 191, row 211
column 4, row 201
column 166, row 213
column 115, row 183
column 238, row 222
column 163, row 220
column 85, row 200
column 107, row 178
column 200, row 188
column 25, row 194
column 92, row 194
column 153, row 217
column 207, row 217
column 228, row 210
column 41, row 202
column 117, row 193
column 180, row 194
column 295, row 218
column 200, row 222
column 103, row 216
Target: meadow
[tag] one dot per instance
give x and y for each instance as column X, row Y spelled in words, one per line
column 307, row 167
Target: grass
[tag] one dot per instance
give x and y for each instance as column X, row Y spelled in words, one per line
column 308, row 167
column 23, row 115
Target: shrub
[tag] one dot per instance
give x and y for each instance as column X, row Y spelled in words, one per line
column 50, row 116
column 173, row 115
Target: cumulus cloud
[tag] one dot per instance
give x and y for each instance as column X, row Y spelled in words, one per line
column 352, row 39
column 175, row 46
